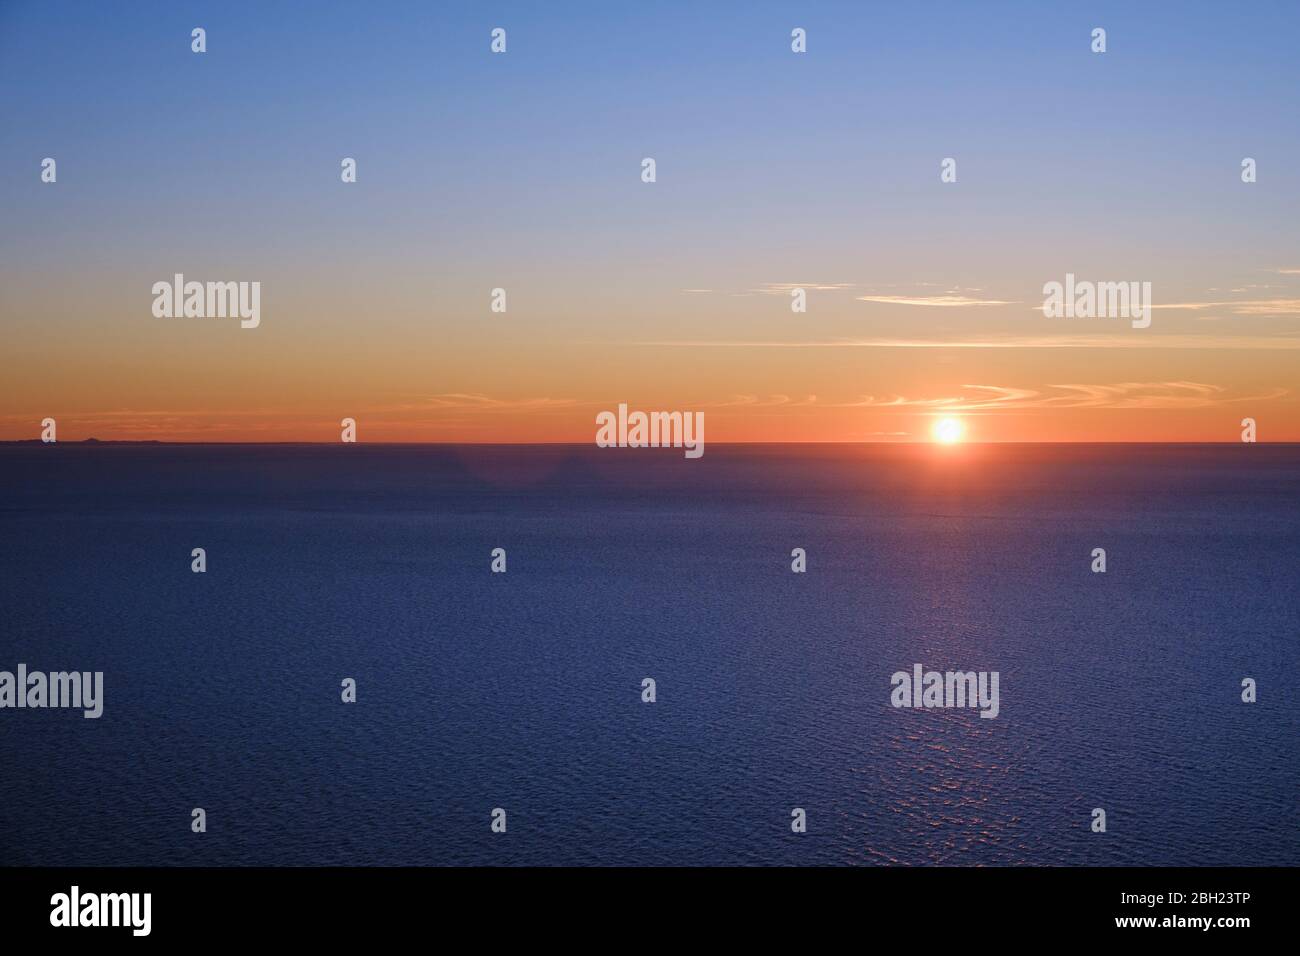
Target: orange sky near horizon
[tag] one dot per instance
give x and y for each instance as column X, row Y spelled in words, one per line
column 508, row 379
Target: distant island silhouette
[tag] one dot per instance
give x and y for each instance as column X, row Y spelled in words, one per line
column 94, row 441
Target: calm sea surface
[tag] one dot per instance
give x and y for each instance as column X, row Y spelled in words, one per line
column 523, row 690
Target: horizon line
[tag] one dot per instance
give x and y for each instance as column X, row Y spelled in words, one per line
column 564, row 444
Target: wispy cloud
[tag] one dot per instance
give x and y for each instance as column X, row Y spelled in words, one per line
column 785, row 288
column 1241, row 306
column 469, row 401
column 987, row 396
column 948, row 300
column 770, row 401
column 778, row 288
column 1143, row 395
column 1100, row 341
column 1155, row 395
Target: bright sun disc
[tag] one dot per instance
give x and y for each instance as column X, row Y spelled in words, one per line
column 947, row 430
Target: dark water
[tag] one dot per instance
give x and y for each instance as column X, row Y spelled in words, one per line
column 477, row 690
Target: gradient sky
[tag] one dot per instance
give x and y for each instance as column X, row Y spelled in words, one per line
column 774, row 170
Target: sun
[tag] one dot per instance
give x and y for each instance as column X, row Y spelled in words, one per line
column 947, row 431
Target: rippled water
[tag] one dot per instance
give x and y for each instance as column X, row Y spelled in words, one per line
column 477, row 690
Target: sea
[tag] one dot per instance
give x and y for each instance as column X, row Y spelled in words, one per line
column 524, row 691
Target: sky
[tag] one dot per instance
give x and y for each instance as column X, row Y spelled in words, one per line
column 774, row 170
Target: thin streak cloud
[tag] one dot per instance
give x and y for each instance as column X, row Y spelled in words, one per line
column 1133, row 341
column 1129, row 395
column 947, row 300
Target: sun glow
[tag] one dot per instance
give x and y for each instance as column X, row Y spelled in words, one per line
column 947, row 431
